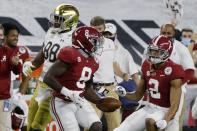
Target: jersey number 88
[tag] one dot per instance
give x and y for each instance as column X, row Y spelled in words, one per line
column 50, row 51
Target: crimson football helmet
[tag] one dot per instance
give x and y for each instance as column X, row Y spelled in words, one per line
column 18, row 118
column 159, row 49
column 88, row 39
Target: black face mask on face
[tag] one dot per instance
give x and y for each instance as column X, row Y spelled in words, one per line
column 109, row 35
column 112, row 38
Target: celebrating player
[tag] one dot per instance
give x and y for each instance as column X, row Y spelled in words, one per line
column 163, row 79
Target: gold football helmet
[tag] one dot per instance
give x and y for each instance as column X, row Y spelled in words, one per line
column 65, row 17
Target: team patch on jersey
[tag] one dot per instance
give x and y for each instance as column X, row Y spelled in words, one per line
column 78, row 59
column 168, row 70
column 148, row 73
column 22, row 50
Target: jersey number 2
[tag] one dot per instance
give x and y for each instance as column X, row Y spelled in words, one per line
column 154, row 91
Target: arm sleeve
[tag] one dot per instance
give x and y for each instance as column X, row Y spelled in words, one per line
column 177, row 73
column 189, row 74
column 143, row 70
column 193, row 80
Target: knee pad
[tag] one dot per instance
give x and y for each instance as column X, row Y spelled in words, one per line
column 96, row 126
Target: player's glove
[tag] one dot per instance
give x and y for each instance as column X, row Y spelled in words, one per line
column 73, row 95
column 27, row 68
column 120, row 91
column 17, row 96
column 161, row 124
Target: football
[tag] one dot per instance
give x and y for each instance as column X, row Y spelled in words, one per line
column 108, row 104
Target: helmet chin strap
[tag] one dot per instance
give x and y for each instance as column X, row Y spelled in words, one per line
column 85, row 54
column 83, row 49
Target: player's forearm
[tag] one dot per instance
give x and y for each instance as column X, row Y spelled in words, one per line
column 171, row 113
column 138, row 94
column 91, row 96
column 39, row 60
column 174, row 101
column 24, row 84
column 118, row 71
column 133, row 96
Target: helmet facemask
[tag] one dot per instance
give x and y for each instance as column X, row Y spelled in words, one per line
column 157, row 55
column 97, row 46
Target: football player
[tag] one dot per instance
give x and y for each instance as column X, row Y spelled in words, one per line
column 69, row 76
column 64, row 20
column 163, row 79
column 9, row 61
column 11, row 32
column 180, row 55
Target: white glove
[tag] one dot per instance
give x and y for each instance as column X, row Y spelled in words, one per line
column 120, row 91
column 161, row 124
column 17, row 96
column 27, row 68
column 73, row 95
column 77, row 99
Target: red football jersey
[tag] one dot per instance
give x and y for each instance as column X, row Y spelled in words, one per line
column 80, row 68
column 158, row 81
column 5, row 71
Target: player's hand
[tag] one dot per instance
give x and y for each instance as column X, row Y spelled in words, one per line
column 27, row 68
column 161, row 124
column 120, row 91
column 15, row 59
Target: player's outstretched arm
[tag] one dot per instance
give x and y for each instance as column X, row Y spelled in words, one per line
column 29, row 66
column 57, row 69
column 174, row 99
column 138, row 94
column 24, row 84
column 38, row 60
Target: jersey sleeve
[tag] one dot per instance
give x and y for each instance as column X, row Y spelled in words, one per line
column 66, row 55
column 177, row 72
column 24, row 54
column 143, row 68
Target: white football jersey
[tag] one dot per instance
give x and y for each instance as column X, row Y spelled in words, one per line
column 181, row 55
column 52, row 44
column 105, row 72
column 125, row 61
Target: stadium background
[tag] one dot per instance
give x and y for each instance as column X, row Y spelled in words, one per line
column 137, row 20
